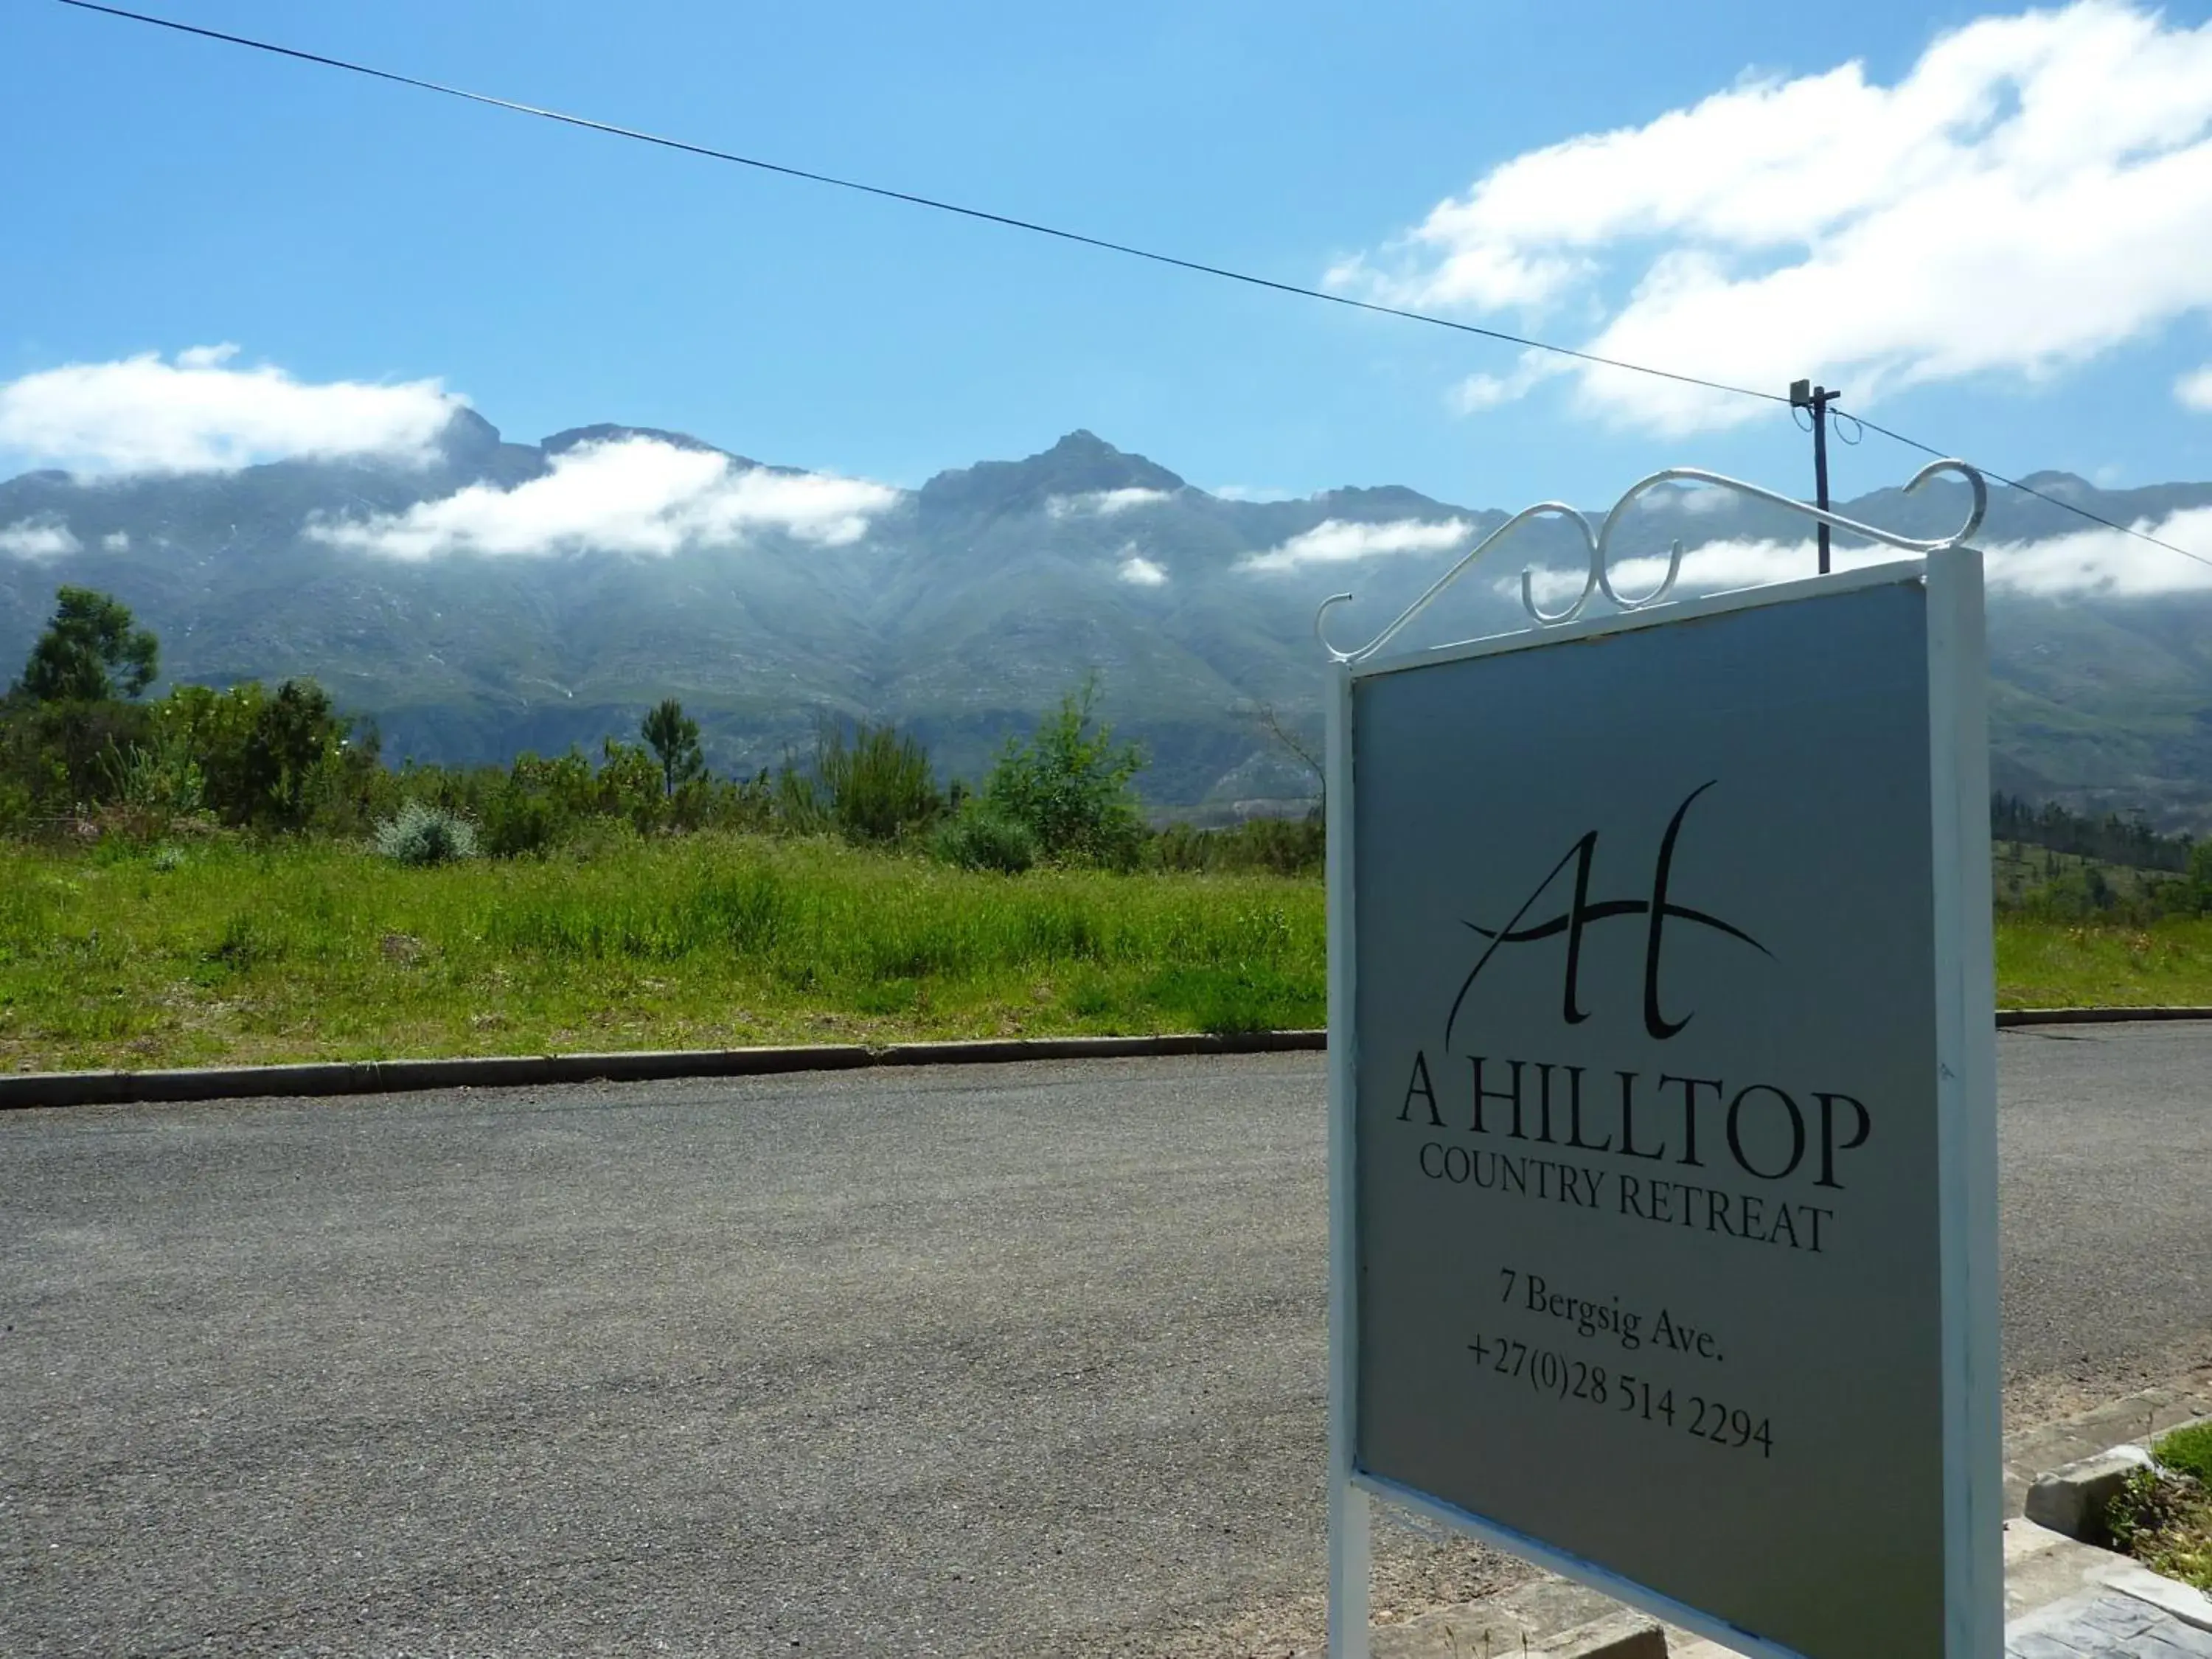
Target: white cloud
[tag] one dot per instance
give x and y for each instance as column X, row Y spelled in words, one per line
column 1106, row 501
column 1140, row 572
column 1481, row 391
column 629, row 495
column 199, row 414
column 2194, row 389
column 2096, row 561
column 1716, row 568
column 1341, row 541
column 1693, row 499
column 117, row 541
column 1250, row 493
column 37, row 539
column 2099, row 560
column 2033, row 191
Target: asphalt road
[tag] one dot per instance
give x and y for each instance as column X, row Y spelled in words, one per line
column 992, row 1361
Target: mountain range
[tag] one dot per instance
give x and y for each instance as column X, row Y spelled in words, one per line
column 482, row 597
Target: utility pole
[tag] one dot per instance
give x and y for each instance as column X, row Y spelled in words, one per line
column 1803, row 394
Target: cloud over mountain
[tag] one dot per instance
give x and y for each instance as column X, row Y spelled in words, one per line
column 2035, row 191
column 1341, row 541
column 598, row 583
column 1106, row 501
column 2092, row 562
column 198, row 414
column 37, row 539
column 636, row 495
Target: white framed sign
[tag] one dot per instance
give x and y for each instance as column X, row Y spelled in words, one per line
column 1663, row 1104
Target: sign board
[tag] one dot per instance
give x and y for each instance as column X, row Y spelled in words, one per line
column 1664, row 1107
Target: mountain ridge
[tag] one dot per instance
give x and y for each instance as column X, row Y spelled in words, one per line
column 965, row 605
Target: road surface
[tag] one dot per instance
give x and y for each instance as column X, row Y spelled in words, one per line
column 1020, row 1360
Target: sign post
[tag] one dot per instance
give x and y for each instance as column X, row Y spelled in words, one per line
column 1663, row 1180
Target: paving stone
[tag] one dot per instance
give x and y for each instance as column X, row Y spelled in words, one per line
column 2106, row 1626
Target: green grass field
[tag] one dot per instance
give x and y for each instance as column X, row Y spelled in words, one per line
column 226, row 952
column 2059, row 964
column 308, row 951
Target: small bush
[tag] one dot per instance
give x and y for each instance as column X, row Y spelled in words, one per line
column 876, row 787
column 982, row 838
column 2164, row 1519
column 519, row 820
column 424, row 834
column 1070, row 785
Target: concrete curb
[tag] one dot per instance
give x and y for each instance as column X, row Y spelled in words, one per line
column 369, row 1077
column 2072, row 1499
column 2071, row 1502
column 2094, row 1016
column 38, row 1089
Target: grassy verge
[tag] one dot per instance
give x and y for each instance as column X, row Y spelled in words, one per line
column 2164, row 1517
column 227, row 953
column 2060, row 965
column 307, row 951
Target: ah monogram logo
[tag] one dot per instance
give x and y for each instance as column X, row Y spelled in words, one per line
column 1582, row 911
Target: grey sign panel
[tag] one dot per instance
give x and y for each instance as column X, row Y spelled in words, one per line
column 1649, row 1173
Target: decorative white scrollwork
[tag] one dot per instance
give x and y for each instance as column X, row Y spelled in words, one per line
column 1599, row 577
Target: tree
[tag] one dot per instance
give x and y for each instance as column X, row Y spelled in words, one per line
column 296, row 737
column 1070, row 786
column 91, row 651
column 268, row 759
column 673, row 736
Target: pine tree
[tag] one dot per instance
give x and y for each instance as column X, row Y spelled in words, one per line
column 91, row 651
column 673, row 736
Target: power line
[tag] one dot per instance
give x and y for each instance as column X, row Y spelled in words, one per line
column 2030, row 489
column 887, row 194
column 1037, row 227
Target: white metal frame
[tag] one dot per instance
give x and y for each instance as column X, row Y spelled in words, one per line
column 1966, row 1098
column 1966, row 1108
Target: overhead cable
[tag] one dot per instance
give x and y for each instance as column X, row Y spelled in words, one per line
column 2030, row 489
column 909, row 197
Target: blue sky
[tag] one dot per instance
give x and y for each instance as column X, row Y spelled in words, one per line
column 1985, row 285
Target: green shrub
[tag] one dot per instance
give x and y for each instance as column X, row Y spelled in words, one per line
column 519, row 819
column 880, row 785
column 1069, row 784
column 630, row 786
column 982, row 838
column 877, row 787
column 424, row 834
column 273, row 761
column 2163, row 1518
